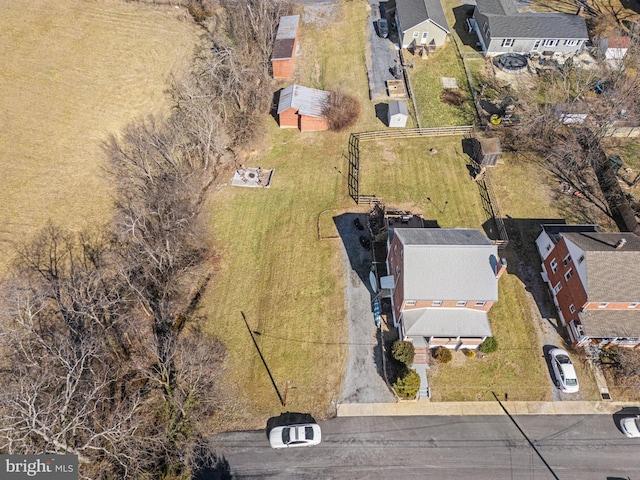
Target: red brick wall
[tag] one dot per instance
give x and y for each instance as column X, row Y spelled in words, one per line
column 449, row 304
column 394, row 259
column 313, row 124
column 572, row 291
column 289, row 119
column 282, row 68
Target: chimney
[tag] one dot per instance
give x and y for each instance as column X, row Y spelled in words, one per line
column 501, row 267
column 580, row 10
column 620, row 243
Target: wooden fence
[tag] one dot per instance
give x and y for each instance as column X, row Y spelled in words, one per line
column 414, row 133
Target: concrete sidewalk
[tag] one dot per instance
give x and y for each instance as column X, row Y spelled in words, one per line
column 426, row 407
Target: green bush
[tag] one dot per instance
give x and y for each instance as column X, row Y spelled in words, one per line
column 403, row 351
column 489, row 345
column 407, row 384
column 443, row 355
column 469, row 353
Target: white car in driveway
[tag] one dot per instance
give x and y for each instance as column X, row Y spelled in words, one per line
column 631, row 426
column 566, row 378
column 304, row 435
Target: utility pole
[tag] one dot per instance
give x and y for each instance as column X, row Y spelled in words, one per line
column 526, row 438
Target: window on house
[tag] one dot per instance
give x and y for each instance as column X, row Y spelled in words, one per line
column 571, row 43
column 603, row 305
column 581, row 259
column 410, row 302
column 461, row 303
column 416, row 34
column 508, row 42
column 395, row 249
column 572, row 309
column 566, row 260
column 633, row 305
column 548, row 247
column 554, row 265
column 436, row 303
column 397, row 269
column 486, row 27
column 557, row 287
column 550, row 42
column 480, row 304
column 401, row 254
column 568, row 274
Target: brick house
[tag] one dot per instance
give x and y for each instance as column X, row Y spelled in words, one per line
column 445, row 282
column 284, row 47
column 301, row 107
column 594, row 279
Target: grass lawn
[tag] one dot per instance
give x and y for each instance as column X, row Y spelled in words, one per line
column 73, row 73
column 516, row 368
column 405, row 174
column 426, row 81
column 272, row 266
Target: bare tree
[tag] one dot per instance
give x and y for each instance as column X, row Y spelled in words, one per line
column 566, row 134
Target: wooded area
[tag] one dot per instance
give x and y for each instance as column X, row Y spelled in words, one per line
column 104, row 353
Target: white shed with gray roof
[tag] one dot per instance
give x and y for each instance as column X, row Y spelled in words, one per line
column 398, row 114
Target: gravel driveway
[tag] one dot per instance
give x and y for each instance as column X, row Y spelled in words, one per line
column 363, row 381
column 381, row 54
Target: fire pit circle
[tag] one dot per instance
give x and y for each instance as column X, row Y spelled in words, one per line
column 512, row 62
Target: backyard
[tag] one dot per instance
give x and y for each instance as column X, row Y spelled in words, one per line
column 271, row 265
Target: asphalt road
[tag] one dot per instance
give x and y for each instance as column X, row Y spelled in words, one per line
column 478, row 447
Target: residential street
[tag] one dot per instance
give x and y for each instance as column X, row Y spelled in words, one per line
column 445, row 447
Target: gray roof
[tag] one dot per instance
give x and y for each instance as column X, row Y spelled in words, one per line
column 307, row 101
column 497, row 7
column 398, row 108
column 446, row 322
column 613, row 275
column 555, row 229
column 448, row 264
column 506, row 22
column 285, row 37
column 611, row 323
column 414, row 12
column 539, row 26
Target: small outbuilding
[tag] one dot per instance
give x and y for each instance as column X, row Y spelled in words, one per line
column 398, row 114
column 302, row 107
column 284, row 47
column 486, row 151
column 614, row 48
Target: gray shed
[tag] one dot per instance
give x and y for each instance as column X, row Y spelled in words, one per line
column 486, row 151
column 398, row 114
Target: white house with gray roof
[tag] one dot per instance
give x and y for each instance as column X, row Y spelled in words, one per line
column 445, row 282
column 501, row 28
column 421, row 23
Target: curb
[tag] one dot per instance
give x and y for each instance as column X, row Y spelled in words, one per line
column 426, row 407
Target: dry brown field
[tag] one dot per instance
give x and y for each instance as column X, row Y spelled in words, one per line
column 74, row 72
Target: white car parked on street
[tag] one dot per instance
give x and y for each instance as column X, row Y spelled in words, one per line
column 566, row 378
column 304, row 435
column 631, row 426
